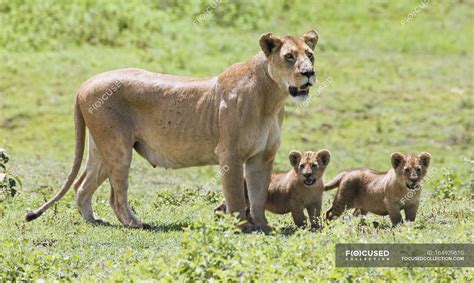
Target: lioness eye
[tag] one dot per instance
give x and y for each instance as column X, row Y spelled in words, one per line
column 289, row 57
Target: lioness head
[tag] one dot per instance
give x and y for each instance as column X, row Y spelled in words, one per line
column 291, row 60
column 411, row 168
column 309, row 166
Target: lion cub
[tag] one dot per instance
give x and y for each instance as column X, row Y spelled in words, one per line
column 382, row 193
column 300, row 188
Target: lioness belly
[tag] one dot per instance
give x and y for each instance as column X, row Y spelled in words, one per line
column 161, row 156
column 177, row 139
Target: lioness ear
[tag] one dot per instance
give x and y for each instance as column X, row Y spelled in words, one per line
column 425, row 159
column 295, row 157
column 269, row 42
column 324, row 156
column 311, row 38
column 397, row 159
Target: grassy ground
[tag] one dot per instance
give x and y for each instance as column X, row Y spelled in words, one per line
column 392, row 87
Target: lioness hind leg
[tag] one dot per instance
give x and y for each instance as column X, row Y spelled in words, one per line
column 115, row 145
column 118, row 177
column 92, row 177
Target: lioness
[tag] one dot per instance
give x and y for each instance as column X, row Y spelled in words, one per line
column 298, row 189
column 382, row 193
column 232, row 120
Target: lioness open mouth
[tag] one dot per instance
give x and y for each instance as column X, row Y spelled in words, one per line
column 302, row 90
column 309, row 182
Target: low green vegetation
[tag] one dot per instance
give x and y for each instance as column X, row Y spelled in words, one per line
column 390, row 86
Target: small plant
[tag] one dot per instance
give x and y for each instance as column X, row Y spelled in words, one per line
column 8, row 181
column 211, row 250
column 447, row 186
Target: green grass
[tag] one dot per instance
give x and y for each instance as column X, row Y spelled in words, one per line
column 394, row 88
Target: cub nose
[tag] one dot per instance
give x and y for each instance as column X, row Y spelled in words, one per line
column 308, row 73
column 414, row 179
column 307, row 175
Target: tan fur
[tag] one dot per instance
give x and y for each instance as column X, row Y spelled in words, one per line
column 232, row 120
column 288, row 192
column 382, row 193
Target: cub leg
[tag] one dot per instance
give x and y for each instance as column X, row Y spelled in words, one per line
column 342, row 201
column 393, row 210
column 338, row 207
column 362, row 213
column 314, row 212
column 298, row 217
column 411, row 210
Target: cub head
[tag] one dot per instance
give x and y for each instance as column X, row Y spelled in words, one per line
column 291, row 61
column 309, row 166
column 411, row 168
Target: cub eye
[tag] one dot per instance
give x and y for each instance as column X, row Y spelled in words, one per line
column 406, row 170
column 314, row 165
column 289, row 57
column 310, row 56
column 418, row 170
column 302, row 166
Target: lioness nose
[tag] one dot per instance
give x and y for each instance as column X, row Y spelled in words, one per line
column 308, row 73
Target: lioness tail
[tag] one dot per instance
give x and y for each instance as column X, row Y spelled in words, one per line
column 79, row 151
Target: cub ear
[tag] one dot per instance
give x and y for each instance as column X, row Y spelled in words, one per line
column 324, row 156
column 397, row 159
column 295, row 157
column 425, row 159
column 269, row 42
column 311, row 38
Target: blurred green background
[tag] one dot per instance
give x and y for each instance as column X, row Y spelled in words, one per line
column 401, row 79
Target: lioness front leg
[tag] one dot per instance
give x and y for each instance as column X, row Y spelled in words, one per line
column 257, row 175
column 393, row 210
column 233, row 186
column 410, row 211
